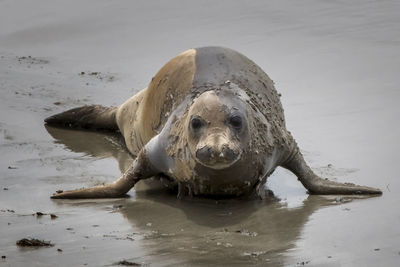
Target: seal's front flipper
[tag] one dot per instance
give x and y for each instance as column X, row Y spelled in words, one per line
column 140, row 169
column 94, row 117
column 317, row 185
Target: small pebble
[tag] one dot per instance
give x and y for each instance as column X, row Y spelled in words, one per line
column 228, row 245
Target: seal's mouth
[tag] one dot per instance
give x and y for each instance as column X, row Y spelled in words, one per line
column 213, row 159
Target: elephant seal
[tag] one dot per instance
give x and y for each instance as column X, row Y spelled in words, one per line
column 211, row 122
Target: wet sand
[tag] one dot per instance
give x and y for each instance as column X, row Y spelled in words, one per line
column 336, row 65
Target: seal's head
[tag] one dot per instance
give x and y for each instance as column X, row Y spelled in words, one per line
column 218, row 130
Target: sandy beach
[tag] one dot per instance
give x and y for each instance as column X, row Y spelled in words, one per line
column 336, row 65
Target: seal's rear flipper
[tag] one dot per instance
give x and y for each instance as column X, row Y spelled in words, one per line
column 140, row 169
column 317, row 185
column 94, row 117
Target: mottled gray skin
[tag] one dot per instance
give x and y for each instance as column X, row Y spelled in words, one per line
column 222, row 134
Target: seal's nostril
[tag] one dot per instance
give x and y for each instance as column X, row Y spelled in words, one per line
column 204, row 153
column 228, row 153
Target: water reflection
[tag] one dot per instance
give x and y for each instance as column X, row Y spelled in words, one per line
column 224, row 232
column 199, row 231
column 95, row 144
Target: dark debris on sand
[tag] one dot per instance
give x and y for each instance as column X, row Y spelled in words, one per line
column 33, row 242
column 128, row 263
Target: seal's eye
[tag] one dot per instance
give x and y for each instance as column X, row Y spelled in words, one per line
column 236, row 122
column 196, row 123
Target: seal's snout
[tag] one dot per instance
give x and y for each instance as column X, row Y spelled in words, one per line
column 207, row 153
column 217, row 153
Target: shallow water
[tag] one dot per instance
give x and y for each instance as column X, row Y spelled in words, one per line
column 336, row 64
